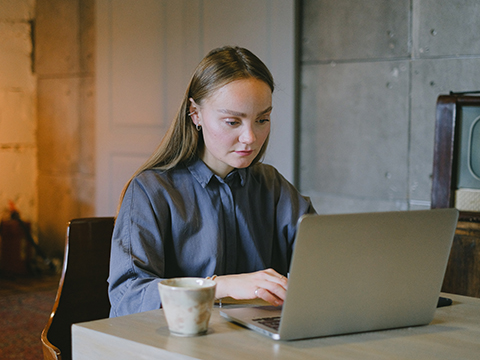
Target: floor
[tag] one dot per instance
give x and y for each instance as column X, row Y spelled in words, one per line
column 25, row 306
column 18, row 284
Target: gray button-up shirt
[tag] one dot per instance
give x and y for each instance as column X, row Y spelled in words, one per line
column 189, row 222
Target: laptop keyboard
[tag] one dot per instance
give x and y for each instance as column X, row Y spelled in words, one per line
column 272, row 322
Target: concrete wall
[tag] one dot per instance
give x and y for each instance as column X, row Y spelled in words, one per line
column 371, row 73
column 65, row 70
column 18, row 145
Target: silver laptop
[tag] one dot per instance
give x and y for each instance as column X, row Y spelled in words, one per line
column 359, row 272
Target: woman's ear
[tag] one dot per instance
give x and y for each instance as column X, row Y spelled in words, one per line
column 192, row 111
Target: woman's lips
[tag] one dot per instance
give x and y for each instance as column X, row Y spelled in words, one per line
column 244, row 152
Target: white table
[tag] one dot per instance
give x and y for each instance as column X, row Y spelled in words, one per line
column 454, row 334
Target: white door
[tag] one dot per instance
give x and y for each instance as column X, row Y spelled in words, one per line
column 146, row 53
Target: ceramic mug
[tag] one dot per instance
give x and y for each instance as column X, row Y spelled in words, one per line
column 187, row 304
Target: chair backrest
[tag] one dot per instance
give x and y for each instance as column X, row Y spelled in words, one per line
column 83, row 290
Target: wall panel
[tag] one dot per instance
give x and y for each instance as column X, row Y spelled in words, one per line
column 446, row 27
column 351, row 29
column 355, row 134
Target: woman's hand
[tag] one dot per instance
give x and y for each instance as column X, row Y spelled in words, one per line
column 266, row 284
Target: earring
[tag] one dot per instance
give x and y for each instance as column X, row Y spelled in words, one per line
column 198, row 127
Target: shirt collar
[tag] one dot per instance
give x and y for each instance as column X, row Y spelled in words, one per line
column 203, row 174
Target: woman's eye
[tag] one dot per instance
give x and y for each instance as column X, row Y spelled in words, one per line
column 263, row 121
column 232, row 122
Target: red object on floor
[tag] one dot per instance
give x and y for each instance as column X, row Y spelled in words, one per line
column 16, row 252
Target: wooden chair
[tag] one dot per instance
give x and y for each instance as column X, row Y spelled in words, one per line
column 83, row 290
column 463, row 271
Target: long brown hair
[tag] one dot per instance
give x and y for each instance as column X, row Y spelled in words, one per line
column 220, row 67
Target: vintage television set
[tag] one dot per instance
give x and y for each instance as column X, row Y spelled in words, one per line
column 456, row 168
column 456, row 183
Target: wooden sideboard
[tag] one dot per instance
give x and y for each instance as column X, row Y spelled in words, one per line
column 463, row 270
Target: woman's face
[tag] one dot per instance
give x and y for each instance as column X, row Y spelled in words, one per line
column 235, row 122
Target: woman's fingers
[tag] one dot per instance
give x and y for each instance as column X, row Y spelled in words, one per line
column 266, row 284
column 277, row 278
column 272, row 287
column 270, row 297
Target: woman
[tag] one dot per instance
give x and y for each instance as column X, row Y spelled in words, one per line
column 203, row 205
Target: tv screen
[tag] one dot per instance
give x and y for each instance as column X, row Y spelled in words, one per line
column 468, row 168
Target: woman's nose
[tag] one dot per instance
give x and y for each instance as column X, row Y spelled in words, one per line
column 247, row 136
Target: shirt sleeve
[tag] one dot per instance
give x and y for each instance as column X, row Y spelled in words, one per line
column 137, row 255
column 291, row 206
